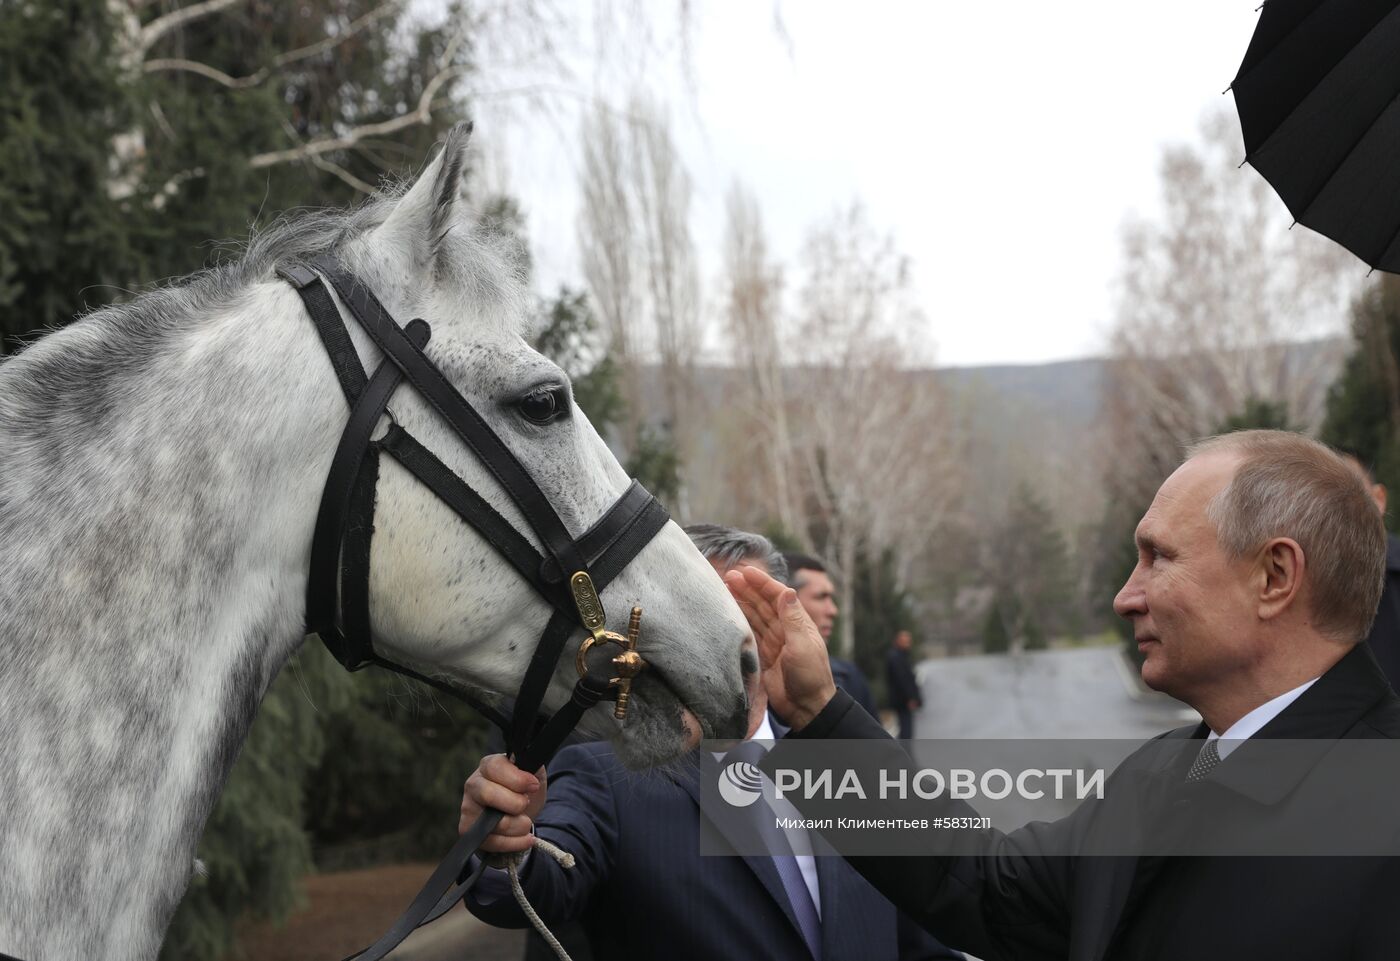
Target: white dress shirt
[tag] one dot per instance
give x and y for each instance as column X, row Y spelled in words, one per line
column 1249, row 725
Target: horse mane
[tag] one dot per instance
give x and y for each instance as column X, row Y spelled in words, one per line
column 66, row 380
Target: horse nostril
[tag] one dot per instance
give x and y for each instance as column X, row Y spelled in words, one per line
column 748, row 662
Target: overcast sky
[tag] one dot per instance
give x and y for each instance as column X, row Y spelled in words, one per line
column 1002, row 143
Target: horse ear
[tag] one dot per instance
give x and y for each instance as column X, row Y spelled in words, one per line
column 422, row 217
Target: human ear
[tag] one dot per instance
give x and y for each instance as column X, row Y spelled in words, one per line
column 1281, row 566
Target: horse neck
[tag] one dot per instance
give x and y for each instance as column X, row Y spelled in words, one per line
column 153, row 584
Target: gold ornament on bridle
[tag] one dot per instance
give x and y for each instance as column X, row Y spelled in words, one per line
column 630, row 662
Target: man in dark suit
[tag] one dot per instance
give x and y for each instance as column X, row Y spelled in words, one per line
column 1385, row 632
column 1258, row 574
column 641, row 887
column 1384, row 639
column 817, row 594
column 903, row 686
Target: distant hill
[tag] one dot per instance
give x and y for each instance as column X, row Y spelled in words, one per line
column 1068, row 391
column 1031, row 422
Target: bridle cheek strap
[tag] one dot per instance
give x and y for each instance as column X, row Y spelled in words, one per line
column 337, row 594
column 337, row 586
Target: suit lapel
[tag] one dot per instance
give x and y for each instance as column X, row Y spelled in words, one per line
column 1108, row 887
column 1267, row 767
column 762, row 867
column 854, row 915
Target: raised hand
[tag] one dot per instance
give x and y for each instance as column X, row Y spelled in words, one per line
column 796, row 671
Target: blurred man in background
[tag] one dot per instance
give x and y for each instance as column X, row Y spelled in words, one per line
column 903, row 686
column 817, row 595
column 1385, row 632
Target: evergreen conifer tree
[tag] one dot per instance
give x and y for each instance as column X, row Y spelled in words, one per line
column 1363, row 403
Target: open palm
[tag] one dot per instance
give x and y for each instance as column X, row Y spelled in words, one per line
column 796, row 671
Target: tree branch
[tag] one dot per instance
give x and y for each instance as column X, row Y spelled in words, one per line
column 355, row 26
column 281, row 60
column 420, row 115
column 204, row 70
column 161, row 26
column 343, row 174
column 173, row 186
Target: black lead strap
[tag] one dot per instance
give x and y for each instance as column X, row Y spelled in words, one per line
column 338, row 584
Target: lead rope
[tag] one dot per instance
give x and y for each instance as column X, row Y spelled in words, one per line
column 512, row 866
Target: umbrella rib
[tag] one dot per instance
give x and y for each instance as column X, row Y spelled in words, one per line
column 1294, row 109
column 1277, row 43
column 1307, row 205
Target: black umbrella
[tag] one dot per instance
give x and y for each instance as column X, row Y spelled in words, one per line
column 1319, row 100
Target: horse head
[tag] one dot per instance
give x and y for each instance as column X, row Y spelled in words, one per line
column 441, row 601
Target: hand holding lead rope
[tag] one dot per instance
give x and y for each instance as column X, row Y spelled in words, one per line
column 630, row 662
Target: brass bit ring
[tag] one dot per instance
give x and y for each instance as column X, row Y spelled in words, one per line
column 629, row 663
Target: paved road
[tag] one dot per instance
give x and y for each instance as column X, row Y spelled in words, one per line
column 1089, row 697
column 1076, row 693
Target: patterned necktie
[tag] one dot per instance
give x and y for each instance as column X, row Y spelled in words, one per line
column 1205, row 761
column 789, row 871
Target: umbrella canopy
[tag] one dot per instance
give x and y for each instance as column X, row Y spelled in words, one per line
column 1318, row 95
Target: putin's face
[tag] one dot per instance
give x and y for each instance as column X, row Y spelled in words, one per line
column 1191, row 606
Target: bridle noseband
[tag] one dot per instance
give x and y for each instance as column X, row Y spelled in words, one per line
column 570, row 574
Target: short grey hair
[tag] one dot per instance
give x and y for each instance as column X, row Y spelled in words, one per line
column 1288, row 485
column 729, row 546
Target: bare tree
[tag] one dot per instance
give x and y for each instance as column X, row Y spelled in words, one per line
column 639, row 263
column 753, row 320
column 856, row 437
column 607, row 245
column 663, row 192
column 1220, row 305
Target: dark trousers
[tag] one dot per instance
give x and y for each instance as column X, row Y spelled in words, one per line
column 906, row 723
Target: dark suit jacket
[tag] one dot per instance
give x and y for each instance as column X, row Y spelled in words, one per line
column 1385, row 632
column 849, row 678
column 643, row 890
column 1010, row 902
column 899, row 676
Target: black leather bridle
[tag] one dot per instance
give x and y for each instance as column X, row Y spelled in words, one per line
column 570, row 573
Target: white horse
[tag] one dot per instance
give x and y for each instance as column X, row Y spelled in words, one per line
column 162, row 467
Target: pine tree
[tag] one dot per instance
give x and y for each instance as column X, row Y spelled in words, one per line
column 1363, row 403
column 882, row 609
column 64, row 243
column 1257, row 414
column 996, row 639
column 1031, row 572
column 118, row 176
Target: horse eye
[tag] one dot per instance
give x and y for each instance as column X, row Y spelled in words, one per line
column 544, row 405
